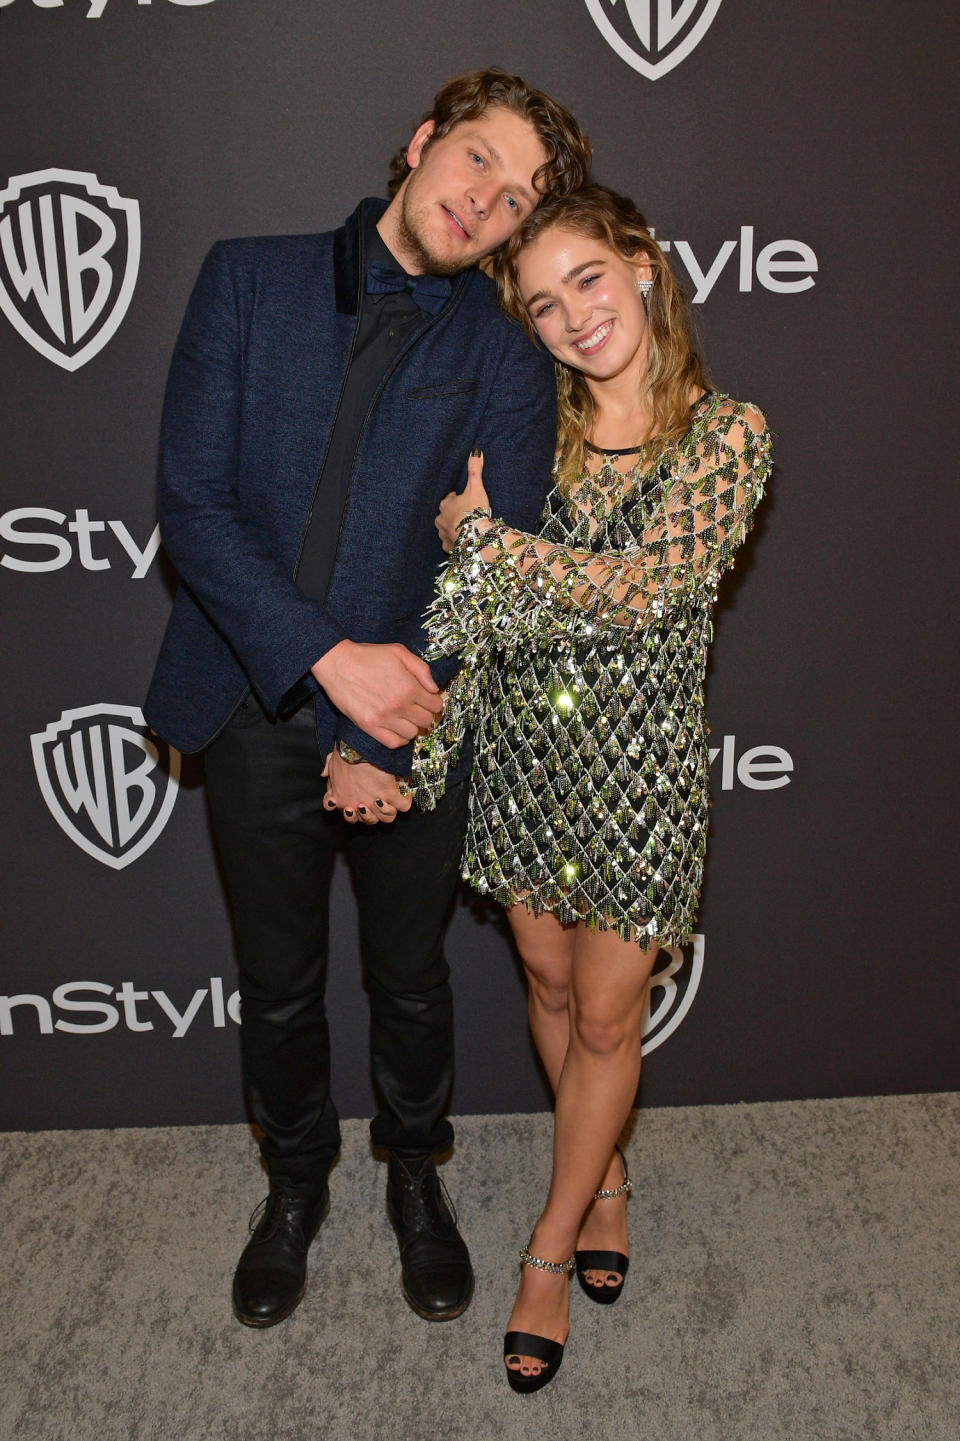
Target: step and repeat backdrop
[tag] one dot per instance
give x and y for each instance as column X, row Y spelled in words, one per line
column 794, row 157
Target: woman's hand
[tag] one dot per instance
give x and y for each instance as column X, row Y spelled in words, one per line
column 363, row 792
column 460, row 503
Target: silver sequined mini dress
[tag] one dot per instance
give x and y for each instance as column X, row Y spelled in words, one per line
column 584, row 652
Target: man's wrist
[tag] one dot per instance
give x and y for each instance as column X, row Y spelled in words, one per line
column 320, row 670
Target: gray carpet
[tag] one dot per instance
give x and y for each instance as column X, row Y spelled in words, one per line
column 794, row 1276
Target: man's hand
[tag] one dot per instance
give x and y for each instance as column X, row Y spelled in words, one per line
column 457, row 504
column 362, row 792
column 386, row 690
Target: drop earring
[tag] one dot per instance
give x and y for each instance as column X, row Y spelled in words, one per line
column 644, row 287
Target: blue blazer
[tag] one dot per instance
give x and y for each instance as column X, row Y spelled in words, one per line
column 251, row 399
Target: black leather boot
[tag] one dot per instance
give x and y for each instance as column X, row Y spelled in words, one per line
column 434, row 1260
column 271, row 1276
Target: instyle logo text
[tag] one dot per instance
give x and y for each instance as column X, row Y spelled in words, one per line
column 785, row 267
column 95, row 8
column 38, row 539
column 86, row 1008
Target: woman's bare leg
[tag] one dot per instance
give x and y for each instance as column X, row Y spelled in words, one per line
column 546, row 949
column 596, row 1087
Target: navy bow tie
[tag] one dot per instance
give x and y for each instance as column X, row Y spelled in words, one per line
column 431, row 292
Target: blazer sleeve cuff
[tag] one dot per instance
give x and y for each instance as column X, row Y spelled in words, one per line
column 299, row 693
column 395, row 762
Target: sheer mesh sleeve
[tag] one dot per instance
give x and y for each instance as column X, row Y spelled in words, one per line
column 504, row 587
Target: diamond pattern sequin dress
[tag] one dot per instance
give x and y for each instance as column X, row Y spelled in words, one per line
column 584, row 652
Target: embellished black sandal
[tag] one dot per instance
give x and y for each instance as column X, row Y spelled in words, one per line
column 523, row 1343
column 605, row 1260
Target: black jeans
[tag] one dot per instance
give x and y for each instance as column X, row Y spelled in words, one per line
column 277, row 846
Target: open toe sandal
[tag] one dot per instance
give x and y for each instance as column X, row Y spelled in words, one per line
column 605, row 1260
column 523, row 1343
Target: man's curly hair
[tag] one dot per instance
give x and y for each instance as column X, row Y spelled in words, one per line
column 567, row 165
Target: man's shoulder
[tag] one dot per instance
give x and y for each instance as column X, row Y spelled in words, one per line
column 291, row 250
column 288, row 269
column 271, row 250
column 480, row 296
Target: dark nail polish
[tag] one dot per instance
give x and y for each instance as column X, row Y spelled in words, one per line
column 362, row 810
column 380, row 804
column 476, row 452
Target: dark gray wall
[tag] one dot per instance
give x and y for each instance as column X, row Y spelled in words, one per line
column 828, row 924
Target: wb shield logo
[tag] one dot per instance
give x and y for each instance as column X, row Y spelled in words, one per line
column 671, row 991
column 69, row 256
column 653, row 35
column 105, row 781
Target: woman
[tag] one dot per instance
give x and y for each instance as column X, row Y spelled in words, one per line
column 584, row 653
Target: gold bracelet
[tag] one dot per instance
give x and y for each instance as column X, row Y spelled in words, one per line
column 348, row 754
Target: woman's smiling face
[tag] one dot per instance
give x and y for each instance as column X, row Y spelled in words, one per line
column 584, row 301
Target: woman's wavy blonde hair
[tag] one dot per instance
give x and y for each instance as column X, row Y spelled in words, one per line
column 674, row 365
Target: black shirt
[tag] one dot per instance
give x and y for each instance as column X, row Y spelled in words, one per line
column 383, row 325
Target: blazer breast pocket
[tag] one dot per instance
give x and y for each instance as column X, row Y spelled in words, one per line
column 437, row 392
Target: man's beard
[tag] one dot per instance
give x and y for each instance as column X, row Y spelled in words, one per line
column 416, row 250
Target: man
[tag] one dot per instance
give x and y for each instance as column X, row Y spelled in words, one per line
column 322, row 398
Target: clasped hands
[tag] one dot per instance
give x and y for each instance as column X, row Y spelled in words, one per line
column 363, row 792
column 387, row 691
column 390, row 694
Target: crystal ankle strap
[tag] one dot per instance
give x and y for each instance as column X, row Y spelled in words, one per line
column 556, row 1268
column 624, row 1189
